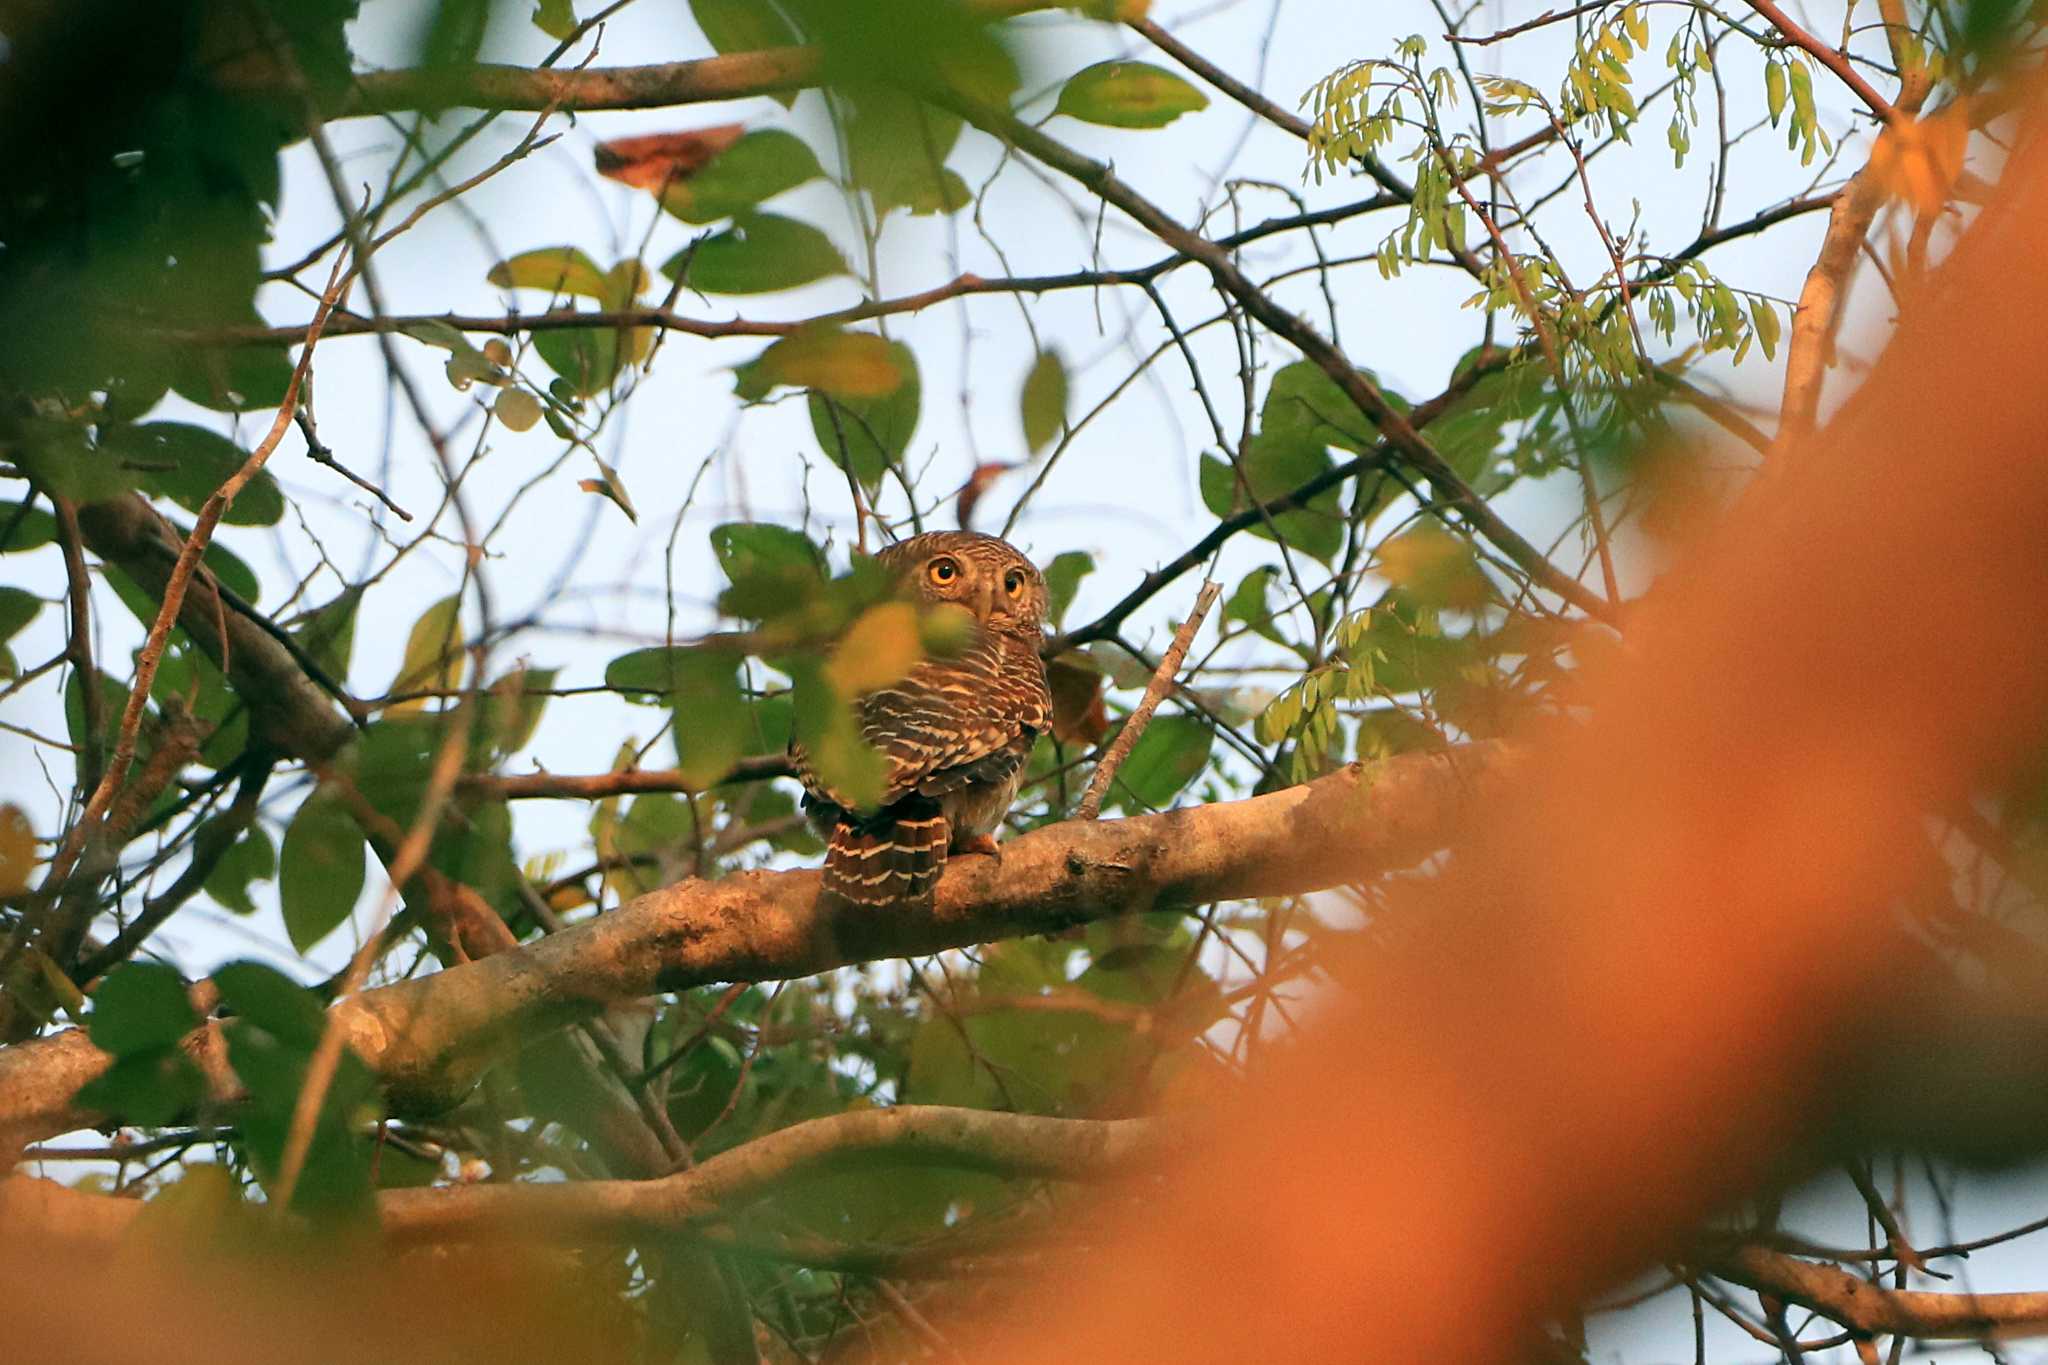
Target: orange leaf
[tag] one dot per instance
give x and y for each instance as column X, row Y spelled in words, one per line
column 656, row 160
column 977, row 484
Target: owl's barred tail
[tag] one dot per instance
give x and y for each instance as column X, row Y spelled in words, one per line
column 893, row 862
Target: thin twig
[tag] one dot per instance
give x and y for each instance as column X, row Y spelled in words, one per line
column 1161, row 684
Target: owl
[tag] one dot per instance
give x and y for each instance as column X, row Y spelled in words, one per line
column 955, row 732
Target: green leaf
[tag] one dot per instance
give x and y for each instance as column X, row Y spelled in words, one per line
column 552, row 270
column 512, row 708
column 433, row 653
column 140, row 1007
column 320, row 872
column 1062, row 579
column 870, row 434
column 825, row 726
column 1165, row 759
column 587, row 358
column 328, row 633
column 759, row 254
column 146, row 1088
column 1045, row 400
column 1128, row 95
column 186, row 464
column 845, row 365
column 761, row 165
column 232, row 378
column 1774, row 90
column 556, row 18
column 925, row 195
column 770, row 567
column 1275, row 466
column 897, row 148
column 710, row 716
column 1303, row 401
column 272, row 1001
column 57, row 457
column 1248, row 603
column 251, row 859
column 745, row 26
column 18, row 607
column 33, row 528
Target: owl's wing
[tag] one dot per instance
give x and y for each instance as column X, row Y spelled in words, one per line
column 951, row 723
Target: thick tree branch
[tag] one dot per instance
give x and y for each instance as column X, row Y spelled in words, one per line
column 431, row 1037
column 1870, row 1309
column 1016, row 1145
column 288, row 710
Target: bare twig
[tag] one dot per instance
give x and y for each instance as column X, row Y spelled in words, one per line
column 1155, row 691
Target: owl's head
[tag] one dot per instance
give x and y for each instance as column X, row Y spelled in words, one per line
column 1001, row 588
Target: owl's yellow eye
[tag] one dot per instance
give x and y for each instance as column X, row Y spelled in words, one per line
column 1013, row 583
column 943, row 571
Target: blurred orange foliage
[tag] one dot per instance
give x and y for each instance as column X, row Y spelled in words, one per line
column 1615, row 1009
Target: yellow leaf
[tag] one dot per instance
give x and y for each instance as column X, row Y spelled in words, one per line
column 17, row 850
column 878, row 649
column 847, row 365
column 433, row 654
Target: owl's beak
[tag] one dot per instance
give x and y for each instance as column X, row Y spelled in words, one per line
column 984, row 600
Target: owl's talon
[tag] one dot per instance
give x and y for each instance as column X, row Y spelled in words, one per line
column 982, row 843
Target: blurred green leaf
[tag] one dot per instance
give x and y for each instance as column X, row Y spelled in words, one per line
column 897, row 147
column 845, row 365
column 556, row 18
column 250, row 859
column 272, row 1001
column 1249, row 602
column 770, row 567
column 745, row 26
column 320, row 872
column 140, row 1007
column 232, row 378
column 328, row 633
column 761, row 165
column 1063, row 579
column 512, row 708
column 433, row 653
column 1274, row 467
column 869, row 435
column 759, row 254
column 18, row 607
column 587, row 358
column 33, row 528
column 1128, row 95
column 1168, row 756
column 826, row 727
column 187, row 464
column 1045, row 401
column 145, row 1088
column 710, row 717
column 558, row 270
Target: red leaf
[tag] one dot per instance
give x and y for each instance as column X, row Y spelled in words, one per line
column 977, row 484
column 655, row 160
